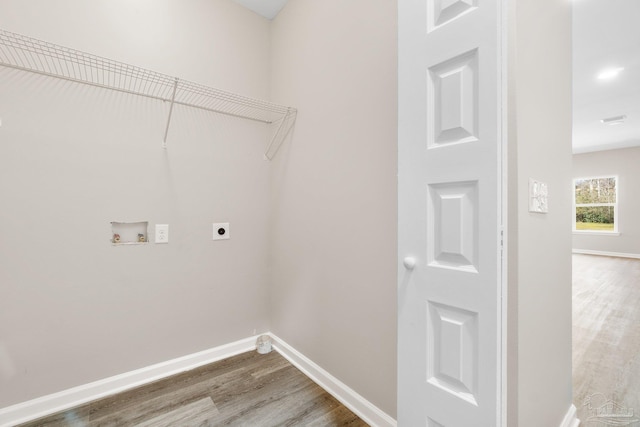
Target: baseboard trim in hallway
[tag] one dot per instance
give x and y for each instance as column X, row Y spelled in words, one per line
column 368, row 412
column 603, row 253
column 56, row 402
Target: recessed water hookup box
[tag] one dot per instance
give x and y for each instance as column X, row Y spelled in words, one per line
column 129, row 233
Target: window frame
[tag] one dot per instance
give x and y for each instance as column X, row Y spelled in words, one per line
column 616, row 207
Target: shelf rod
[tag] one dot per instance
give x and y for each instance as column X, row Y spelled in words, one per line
column 173, row 98
column 85, row 82
column 131, row 92
column 214, row 110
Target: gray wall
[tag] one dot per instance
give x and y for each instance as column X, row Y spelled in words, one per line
column 539, row 322
column 74, row 308
column 334, row 190
column 313, row 234
column 623, row 163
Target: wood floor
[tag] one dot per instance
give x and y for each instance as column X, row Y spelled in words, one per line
column 606, row 335
column 250, row 389
column 266, row 390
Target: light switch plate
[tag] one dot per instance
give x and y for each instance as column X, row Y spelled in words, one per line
column 538, row 196
column 162, row 233
column 221, row 231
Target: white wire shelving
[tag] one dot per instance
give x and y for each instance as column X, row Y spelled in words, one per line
column 41, row 57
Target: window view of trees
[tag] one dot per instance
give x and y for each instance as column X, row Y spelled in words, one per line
column 596, row 204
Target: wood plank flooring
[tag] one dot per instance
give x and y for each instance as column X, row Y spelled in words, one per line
column 250, row 389
column 266, row 390
column 606, row 335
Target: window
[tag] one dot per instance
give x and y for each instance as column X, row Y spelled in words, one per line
column 596, row 204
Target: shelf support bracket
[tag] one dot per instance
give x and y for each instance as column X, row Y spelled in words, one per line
column 173, row 98
column 281, row 133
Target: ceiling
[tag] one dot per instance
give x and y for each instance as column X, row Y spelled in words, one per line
column 267, row 8
column 606, row 34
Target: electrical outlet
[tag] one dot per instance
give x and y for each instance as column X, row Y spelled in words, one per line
column 221, row 231
column 162, row 233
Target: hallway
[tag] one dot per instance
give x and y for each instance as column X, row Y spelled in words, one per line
column 606, row 335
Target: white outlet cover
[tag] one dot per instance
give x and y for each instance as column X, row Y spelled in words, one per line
column 162, row 233
column 538, row 196
column 221, row 231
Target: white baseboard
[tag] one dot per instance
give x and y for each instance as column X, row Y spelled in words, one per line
column 46, row 405
column 571, row 419
column 371, row 414
column 603, row 253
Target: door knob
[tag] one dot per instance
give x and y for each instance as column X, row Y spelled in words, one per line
column 409, row 262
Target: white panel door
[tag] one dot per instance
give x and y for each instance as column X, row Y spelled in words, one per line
column 450, row 138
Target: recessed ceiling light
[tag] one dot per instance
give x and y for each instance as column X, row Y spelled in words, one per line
column 609, row 73
column 612, row 121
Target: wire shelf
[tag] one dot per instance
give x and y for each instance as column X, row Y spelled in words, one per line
column 41, row 57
